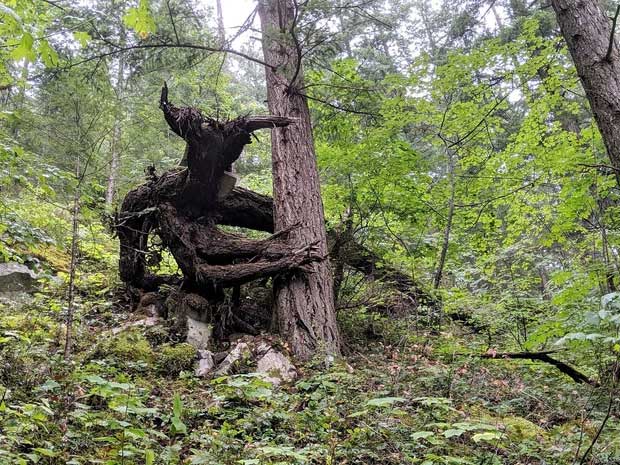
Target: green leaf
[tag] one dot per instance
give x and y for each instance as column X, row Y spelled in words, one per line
column 450, row 433
column 422, row 434
column 140, row 19
column 24, row 49
column 45, row 452
column 149, row 457
column 82, row 37
column 50, row 385
column 486, row 436
column 177, row 405
column 95, row 379
column 48, row 54
column 384, row 401
column 178, row 427
column 359, row 413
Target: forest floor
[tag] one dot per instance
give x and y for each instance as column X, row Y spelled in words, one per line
column 402, row 393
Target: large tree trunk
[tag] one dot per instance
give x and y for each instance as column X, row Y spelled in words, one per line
column 588, row 33
column 304, row 303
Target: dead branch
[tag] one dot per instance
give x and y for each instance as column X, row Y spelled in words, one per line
column 543, row 356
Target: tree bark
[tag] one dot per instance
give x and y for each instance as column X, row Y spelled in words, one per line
column 304, row 303
column 117, row 132
column 221, row 33
column 588, row 33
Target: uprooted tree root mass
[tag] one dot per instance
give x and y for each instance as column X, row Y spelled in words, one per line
column 185, row 205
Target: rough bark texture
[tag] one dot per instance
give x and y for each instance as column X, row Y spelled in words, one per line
column 304, row 300
column 588, row 33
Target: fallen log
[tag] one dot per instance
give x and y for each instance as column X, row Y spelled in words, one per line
column 543, row 356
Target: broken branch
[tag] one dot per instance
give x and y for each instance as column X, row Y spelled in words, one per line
column 543, row 356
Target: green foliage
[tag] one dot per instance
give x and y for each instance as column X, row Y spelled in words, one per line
column 140, row 19
column 178, row 427
column 458, row 129
column 128, row 349
column 397, row 404
column 173, row 359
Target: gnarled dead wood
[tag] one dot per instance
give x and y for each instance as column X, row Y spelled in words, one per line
column 184, row 205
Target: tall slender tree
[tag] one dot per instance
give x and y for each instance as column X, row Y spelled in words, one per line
column 304, row 304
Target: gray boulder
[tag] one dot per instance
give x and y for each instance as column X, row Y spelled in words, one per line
column 15, row 277
column 255, row 352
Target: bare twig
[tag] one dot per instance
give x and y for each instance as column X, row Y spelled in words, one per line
column 118, row 49
column 174, row 27
column 339, row 108
column 54, row 4
column 601, row 427
column 599, row 166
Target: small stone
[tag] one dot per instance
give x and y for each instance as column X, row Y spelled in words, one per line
column 240, row 352
column 219, row 357
column 276, row 367
column 206, row 363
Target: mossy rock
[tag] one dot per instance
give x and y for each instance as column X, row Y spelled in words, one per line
column 173, row 359
column 127, row 346
column 519, row 429
column 156, row 335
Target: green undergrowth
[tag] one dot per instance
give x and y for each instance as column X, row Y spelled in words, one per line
column 405, row 395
